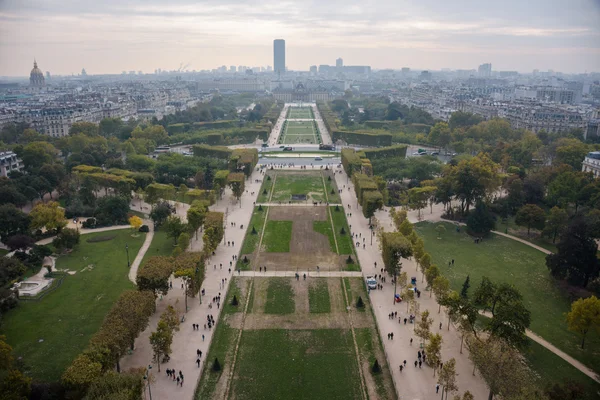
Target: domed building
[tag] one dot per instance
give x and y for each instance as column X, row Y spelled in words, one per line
column 36, row 77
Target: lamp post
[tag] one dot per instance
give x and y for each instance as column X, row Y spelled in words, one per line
column 147, row 378
column 396, row 269
column 127, row 250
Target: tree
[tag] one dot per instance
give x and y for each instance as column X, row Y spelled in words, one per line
column 405, row 228
column 441, row 287
column 174, row 227
column 571, row 152
column 112, row 210
column 48, row 215
column 423, row 328
column 480, row 221
column 161, row 341
column 82, row 372
column 584, row 314
column 36, row 154
column 430, row 274
column 440, row 229
column 195, row 216
column 236, row 181
column 371, row 202
column 500, row 365
column 433, row 350
column 530, row 216
column 394, row 246
column 183, row 241
column 447, row 377
column 464, row 292
column 19, row 242
column 576, row 258
column 154, row 275
column 160, row 212
column 135, row 222
column 398, row 217
column 474, row 178
column 556, row 223
column 66, row 239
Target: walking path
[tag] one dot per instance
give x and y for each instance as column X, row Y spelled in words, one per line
column 140, row 255
column 309, row 274
column 85, row 231
column 187, row 340
column 413, row 382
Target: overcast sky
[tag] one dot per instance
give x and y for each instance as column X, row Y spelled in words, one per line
column 109, row 36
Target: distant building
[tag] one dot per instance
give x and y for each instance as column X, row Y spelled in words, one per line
column 10, row 162
column 232, row 68
column 301, row 93
column 36, row 77
column 591, row 163
column 339, row 63
column 279, row 56
column 425, row 76
column 485, row 70
column 83, row 73
column 313, row 69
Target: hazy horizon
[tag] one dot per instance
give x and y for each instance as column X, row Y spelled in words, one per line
column 112, row 36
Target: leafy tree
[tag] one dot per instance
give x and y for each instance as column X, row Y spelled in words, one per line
column 66, row 239
column 195, row 216
column 530, row 216
column 36, row 154
column 161, row 341
column 464, row 292
column 10, row 195
column 405, row 228
column 480, row 221
column 568, row 390
column 371, row 202
column 447, row 377
column 82, row 372
column 474, row 179
column 584, row 315
column 174, row 227
column 441, row 288
column 424, row 264
column 516, row 194
column 112, row 210
column 160, row 212
column 154, row 275
column 20, row 242
column 47, row 215
column 571, row 152
column 556, row 223
column 430, row 274
column 423, row 328
column 394, row 246
column 236, row 181
column 183, row 241
column 440, row 229
column 439, row 135
column 576, row 258
column 135, row 222
column 433, row 350
column 500, row 365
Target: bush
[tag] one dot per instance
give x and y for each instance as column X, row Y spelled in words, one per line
column 254, row 230
column 337, row 208
column 329, row 178
column 216, row 367
column 144, row 228
column 260, row 207
column 245, row 260
column 332, row 191
column 349, row 260
column 360, row 303
column 234, row 301
column 89, row 223
column 265, row 191
column 66, row 239
column 376, row 368
column 269, row 176
column 342, row 231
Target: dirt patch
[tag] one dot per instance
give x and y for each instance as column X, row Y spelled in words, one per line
column 260, row 295
column 336, row 296
column 301, row 296
column 297, row 213
column 297, row 321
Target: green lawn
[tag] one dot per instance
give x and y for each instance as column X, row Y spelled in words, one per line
column 506, row 260
column 314, row 364
column 553, row 369
column 251, row 240
column 324, row 227
column 344, row 241
column 329, row 187
column 318, row 297
column 48, row 334
column 287, row 184
column 280, row 297
column 367, row 340
column 277, row 237
column 265, row 189
column 161, row 246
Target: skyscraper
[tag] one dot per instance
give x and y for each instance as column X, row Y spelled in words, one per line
column 485, row 70
column 279, row 56
column 339, row 63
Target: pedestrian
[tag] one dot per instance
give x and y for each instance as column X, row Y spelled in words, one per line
column 203, row 337
column 388, row 336
column 453, row 261
column 440, row 325
column 411, row 339
column 198, row 352
column 419, row 363
column 177, row 381
column 405, row 324
column 437, row 388
column 405, row 363
column 395, row 314
column 419, row 354
column 198, row 362
column 259, row 269
column 401, row 367
column 392, row 335
column 168, row 372
column 182, row 380
column 416, row 362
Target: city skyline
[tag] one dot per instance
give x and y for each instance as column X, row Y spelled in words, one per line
column 138, row 35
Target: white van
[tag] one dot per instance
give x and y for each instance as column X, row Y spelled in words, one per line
column 371, row 282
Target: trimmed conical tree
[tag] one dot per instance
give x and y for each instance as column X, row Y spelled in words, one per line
column 343, row 231
column 234, row 301
column 376, row 368
column 216, row 365
column 254, row 230
column 359, row 302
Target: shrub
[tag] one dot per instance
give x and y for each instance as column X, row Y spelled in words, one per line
column 342, row 231
column 245, row 260
column 234, row 301
column 376, row 368
column 260, row 207
column 269, row 176
column 349, row 260
column 144, row 228
column 359, row 302
column 265, row 191
column 66, row 239
column 216, row 367
column 329, row 179
column 89, row 223
column 254, row 230
column 332, row 191
column 337, row 208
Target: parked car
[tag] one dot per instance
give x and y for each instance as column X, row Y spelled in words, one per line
column 416, row 153
column 435, row 153
column 423, row 153
column 318, row 158
column 371, row 282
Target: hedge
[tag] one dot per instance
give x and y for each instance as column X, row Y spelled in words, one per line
column 199, row 194
column 220, row 152
column 186, row 127
column 363, row 138
column 363, row 183
column 243, row 158
column 398, row 150
column 351, row 161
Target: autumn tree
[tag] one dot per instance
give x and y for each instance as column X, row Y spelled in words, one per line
column 394, row 247
column 398, row 217
column 135, row 222
column 441, row 288
column 154, row 275
column 447, row 377
column 213, row 231
column 423, row 327
column 49, row 216
column 433, row 350
column 160, row 341
column 430, row 274
column 237, row 182
column 531, row 216
column 195, row 216
column 584, row 315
